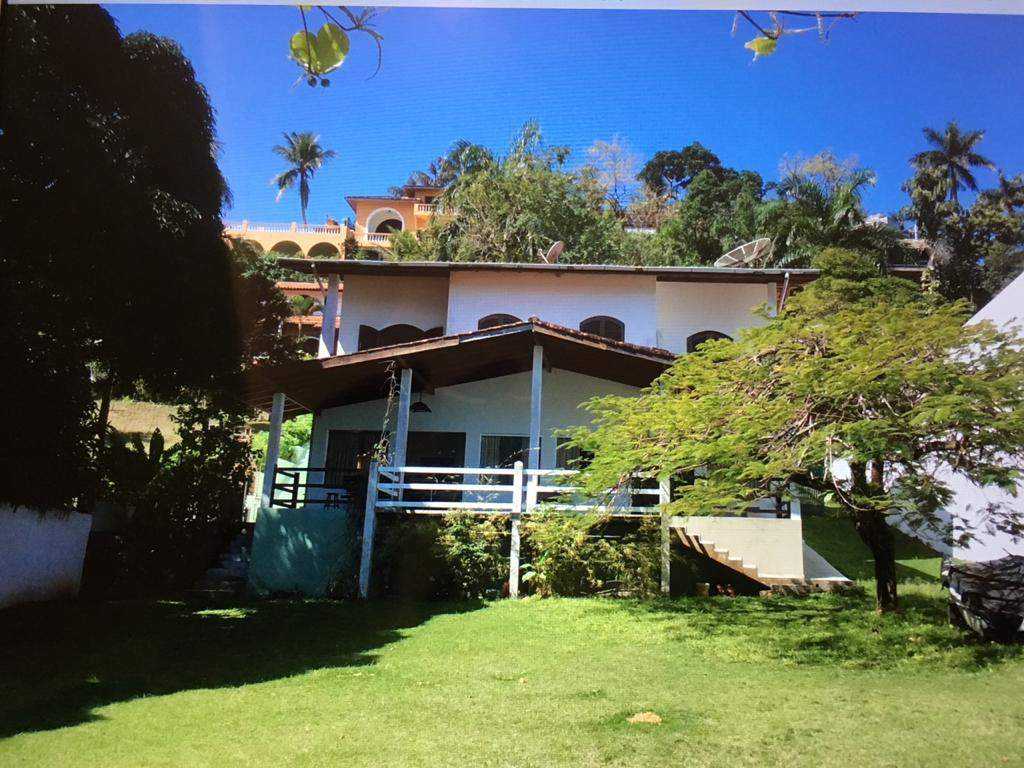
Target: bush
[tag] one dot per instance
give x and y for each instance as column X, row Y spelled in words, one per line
column 474, row 549
column 577, row 555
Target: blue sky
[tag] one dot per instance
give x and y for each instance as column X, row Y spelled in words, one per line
column 657, row 79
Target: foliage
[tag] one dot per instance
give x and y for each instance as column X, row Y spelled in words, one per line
column 954, row 155
column 818, row 210
column 859, row 372
column 141, row 298
column 976, row 250
column 184, row 501
column 305, row 156
column 671, row 171
column 473, row 550
column 514, row 208
column 575, row 555
column 325, row 51
column 614, row 167
column 295, row 435
column 462, row 157
column 719, row 212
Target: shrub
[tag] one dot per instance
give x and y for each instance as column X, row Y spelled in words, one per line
column 577, row 555
column 474, row 549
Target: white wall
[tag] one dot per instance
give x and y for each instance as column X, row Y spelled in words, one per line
column 1006, row 310
column 41, row 556
column 686, row 308
column 384, row 301
column 561, row 298
column 499, row 406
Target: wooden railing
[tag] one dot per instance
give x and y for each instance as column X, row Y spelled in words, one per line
column 499, row 491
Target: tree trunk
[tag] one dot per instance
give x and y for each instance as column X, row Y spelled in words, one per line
column 106, row 392
column 878, row 537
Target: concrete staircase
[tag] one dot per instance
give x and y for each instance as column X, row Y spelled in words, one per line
column 795, row 567
column 229, row 578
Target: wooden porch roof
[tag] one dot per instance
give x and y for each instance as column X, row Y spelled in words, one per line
column 311, row 385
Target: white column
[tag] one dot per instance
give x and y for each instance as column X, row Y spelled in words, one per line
column 327, row 346
column 664, row 497
column 517, row 514
column 273, row 448
column 402, row 419
column 369, row 531
column 536, row 396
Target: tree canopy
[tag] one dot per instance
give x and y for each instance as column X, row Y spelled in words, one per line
column 860, row 390
column 114, row 263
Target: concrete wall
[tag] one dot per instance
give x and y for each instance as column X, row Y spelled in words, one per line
column 773, row 546
column 41, row 556
column 686, row 308
column 565, row 299
column 499, row 406
column 380, row 302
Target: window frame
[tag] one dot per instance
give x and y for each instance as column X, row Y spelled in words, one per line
column 606, row 322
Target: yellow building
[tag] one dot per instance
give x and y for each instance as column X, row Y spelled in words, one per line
column 377, row 218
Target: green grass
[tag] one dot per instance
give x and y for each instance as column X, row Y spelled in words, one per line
column 739, row 682
column 837, row 541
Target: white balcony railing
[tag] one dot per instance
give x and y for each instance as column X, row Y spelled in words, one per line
column 377, row 238
column 278, row 226
column 426, row 208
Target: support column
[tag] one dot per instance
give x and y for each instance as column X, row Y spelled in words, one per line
column 327, row 346
column 536, row 397
column 516, row 518
column 369, row 531
column 273, row 448
column 398, row 448
column 664, row 497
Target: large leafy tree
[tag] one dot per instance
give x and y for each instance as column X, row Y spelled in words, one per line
column 114, row 264
column 718, row 213
column 670, row 171
column 954, row 153
column 862, row 389
column 820, row 206
column 305, row 156
column 974, row 250
column 514, row 208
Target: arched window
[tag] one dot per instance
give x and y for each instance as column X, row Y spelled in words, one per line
column 700, row 337
column 494, row 320
column 602, row 325
column 385, row 220
column 400, row 333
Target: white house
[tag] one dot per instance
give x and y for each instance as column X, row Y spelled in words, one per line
column 971, row 502
column 489, row 362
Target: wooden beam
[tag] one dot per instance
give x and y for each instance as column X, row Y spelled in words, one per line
column 664, row 497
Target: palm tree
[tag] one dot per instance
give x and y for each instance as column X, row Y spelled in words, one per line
column 811, row 216
column 953, row 152
column 305, row 156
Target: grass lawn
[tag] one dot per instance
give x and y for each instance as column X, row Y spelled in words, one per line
column 821, row 681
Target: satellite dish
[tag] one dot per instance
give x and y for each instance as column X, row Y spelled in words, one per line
column 554, row 252
column 747, row 254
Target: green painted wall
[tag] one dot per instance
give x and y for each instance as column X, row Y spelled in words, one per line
column 301, row 551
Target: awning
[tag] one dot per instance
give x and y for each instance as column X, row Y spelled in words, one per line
column 312, row 385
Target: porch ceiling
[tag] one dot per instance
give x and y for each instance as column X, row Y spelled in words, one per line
column 311, row 385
